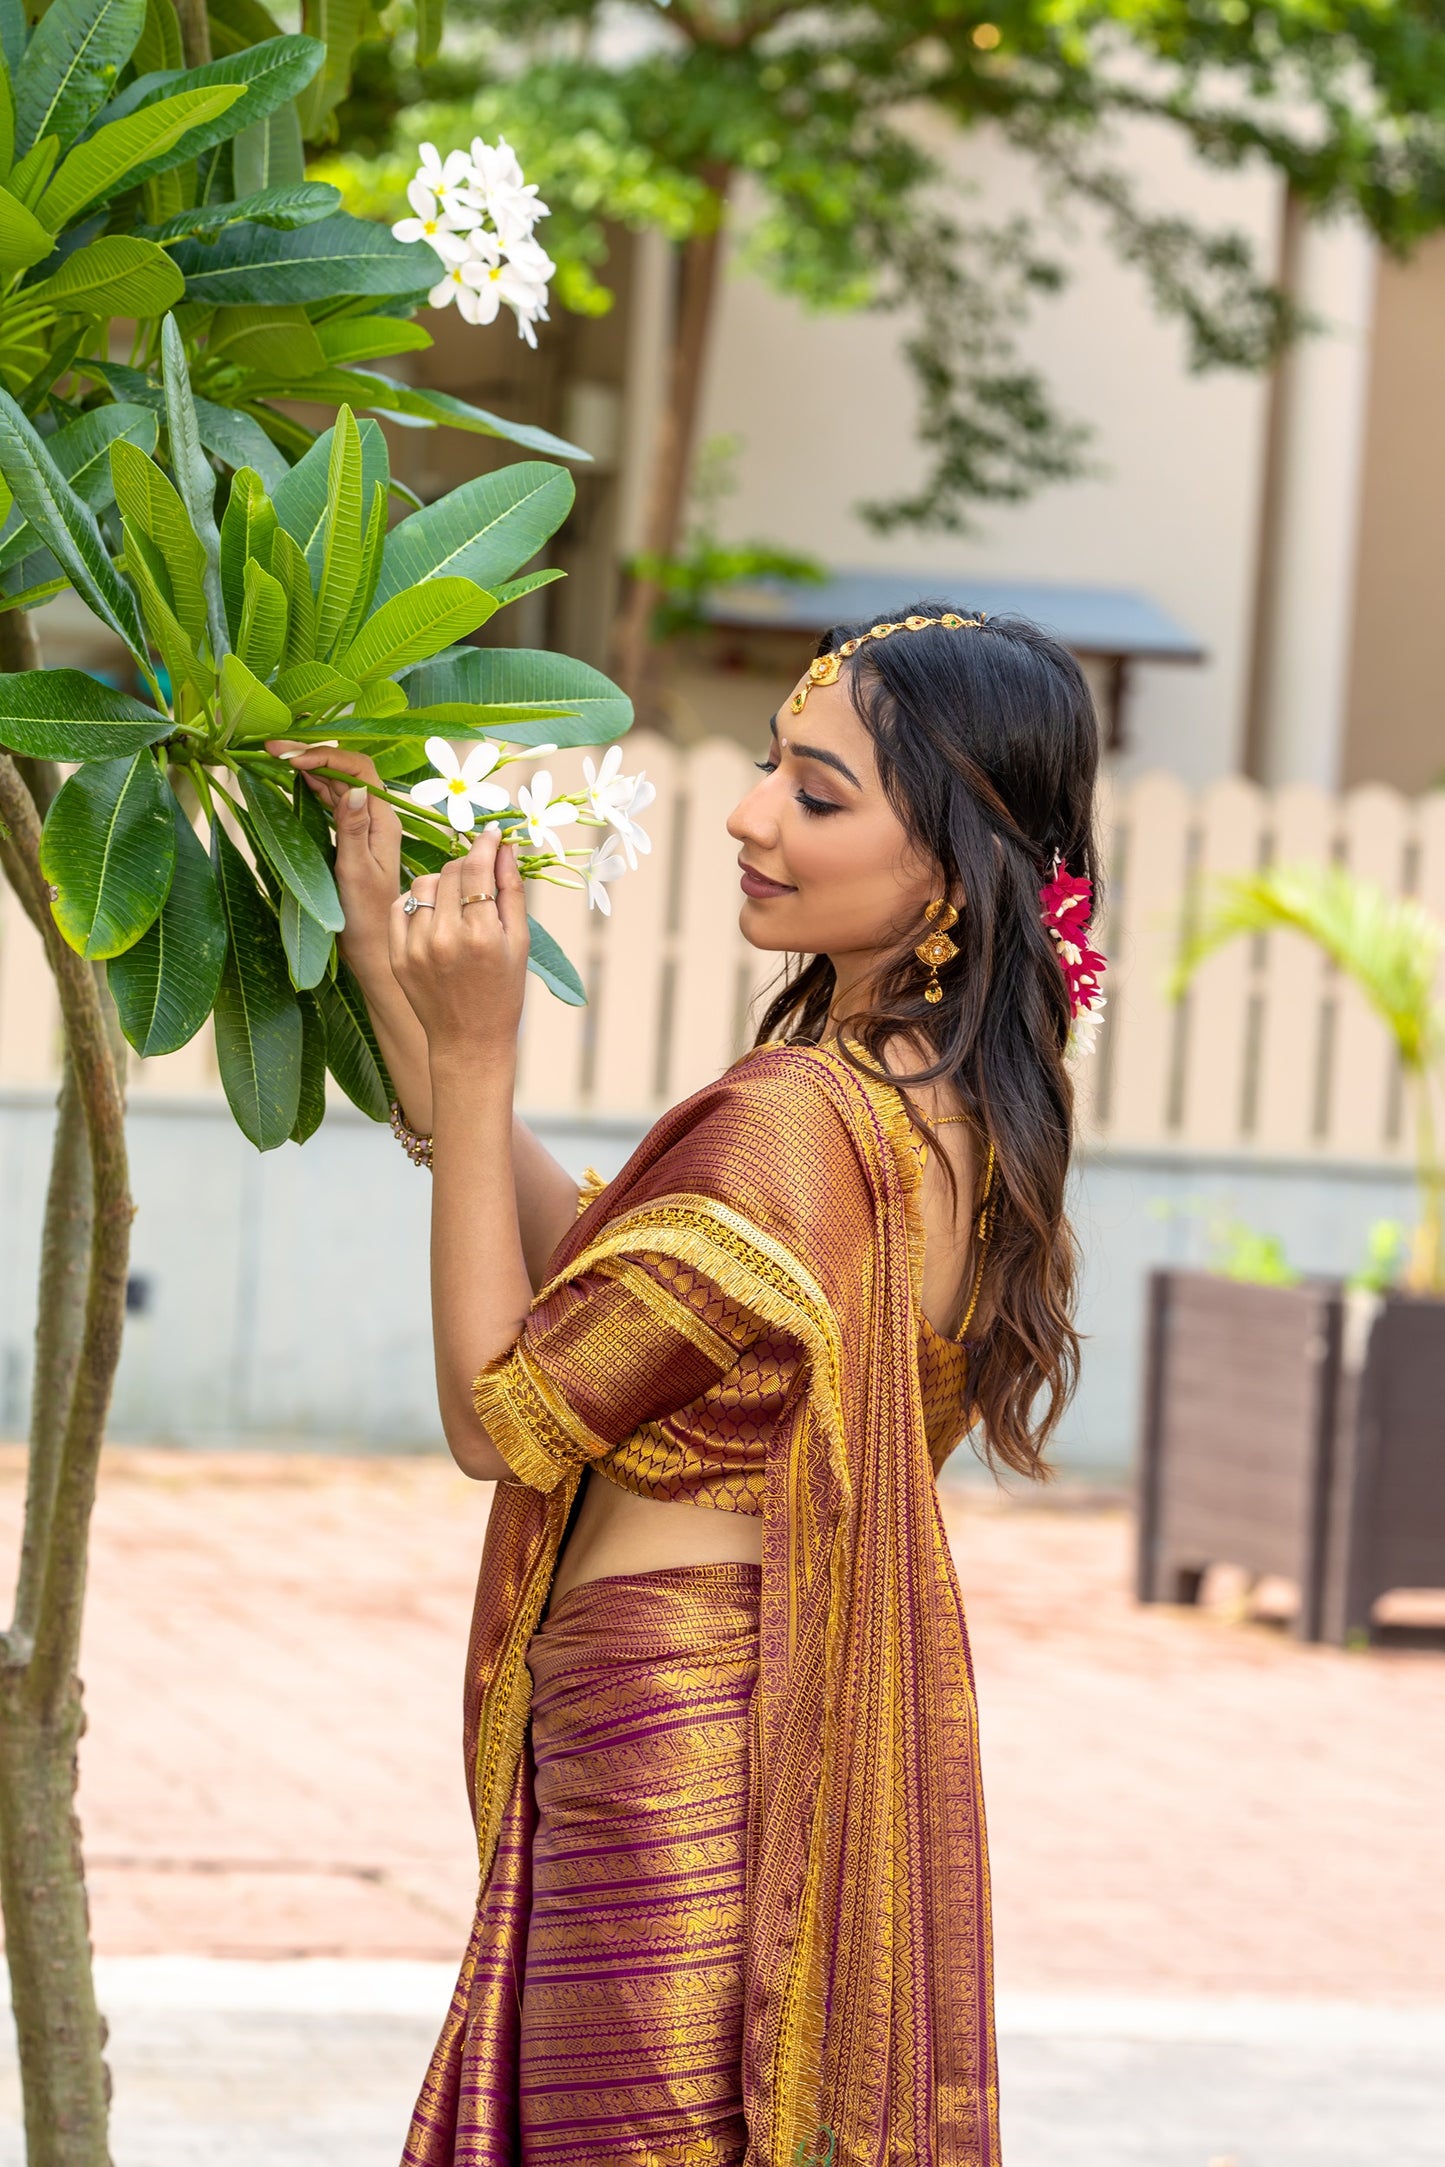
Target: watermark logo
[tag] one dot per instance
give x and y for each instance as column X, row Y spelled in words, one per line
column 817, row 2150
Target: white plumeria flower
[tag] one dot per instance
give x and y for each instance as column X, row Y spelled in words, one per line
column 625, row 809
column 605, row 864
column 543, row 814
column 462, row 786
column 513, row 202
column 442, row 226
column 450, row 179
column 497, row 281
column 602, row 782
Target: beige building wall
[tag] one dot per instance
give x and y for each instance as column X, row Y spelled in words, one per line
column 1396, row 727
column 825, row 408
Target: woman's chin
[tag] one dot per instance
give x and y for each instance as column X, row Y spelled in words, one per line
column 758, row 924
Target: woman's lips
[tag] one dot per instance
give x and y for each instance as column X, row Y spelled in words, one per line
column 760, row 887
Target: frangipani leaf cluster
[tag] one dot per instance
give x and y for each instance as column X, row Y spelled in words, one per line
column 131, row 185
column 299, row 613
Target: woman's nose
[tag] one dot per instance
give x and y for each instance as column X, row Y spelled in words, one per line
column 750, row 821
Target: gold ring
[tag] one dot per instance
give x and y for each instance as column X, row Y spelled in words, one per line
column 486, row 896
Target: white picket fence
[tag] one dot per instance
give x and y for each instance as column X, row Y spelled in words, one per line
column 1271, row 1051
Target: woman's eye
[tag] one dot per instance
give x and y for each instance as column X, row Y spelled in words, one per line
column 766, row 767
column 817, row 805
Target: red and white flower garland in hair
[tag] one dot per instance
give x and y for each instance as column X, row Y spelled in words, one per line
column 1068, row 905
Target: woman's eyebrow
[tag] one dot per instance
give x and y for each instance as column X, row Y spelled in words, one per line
column 816, row 752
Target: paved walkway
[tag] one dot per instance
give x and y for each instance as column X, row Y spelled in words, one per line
column 1184, row 1809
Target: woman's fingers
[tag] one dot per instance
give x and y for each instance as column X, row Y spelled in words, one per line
column 511, row 893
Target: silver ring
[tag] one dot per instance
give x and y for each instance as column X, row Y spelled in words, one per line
column 415, row 903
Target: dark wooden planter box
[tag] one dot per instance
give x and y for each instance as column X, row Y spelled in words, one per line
column 1297, row 1431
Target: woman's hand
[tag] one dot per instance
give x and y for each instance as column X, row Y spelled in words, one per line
column 460, row 956
column 368, row 849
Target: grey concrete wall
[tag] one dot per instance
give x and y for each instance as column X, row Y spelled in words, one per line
column 283, row 1300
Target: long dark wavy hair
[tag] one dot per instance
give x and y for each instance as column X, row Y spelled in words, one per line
column 987, row 744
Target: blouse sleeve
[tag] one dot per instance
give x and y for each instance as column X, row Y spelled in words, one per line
column 633, row 1340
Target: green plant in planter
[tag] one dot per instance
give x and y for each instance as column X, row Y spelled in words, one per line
column 298, row 615
column 1390, row 948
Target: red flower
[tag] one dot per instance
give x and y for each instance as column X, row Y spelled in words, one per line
column 1068, row 904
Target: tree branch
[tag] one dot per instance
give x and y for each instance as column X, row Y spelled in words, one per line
column 51, row 1669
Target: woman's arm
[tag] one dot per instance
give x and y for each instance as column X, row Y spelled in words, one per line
column 368, row 879
column 462, row 966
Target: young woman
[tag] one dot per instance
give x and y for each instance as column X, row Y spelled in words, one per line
column 721, row 1733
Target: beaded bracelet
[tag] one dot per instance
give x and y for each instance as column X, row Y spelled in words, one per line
column 417, row 1148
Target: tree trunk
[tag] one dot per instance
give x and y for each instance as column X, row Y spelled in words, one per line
column 195, row 32
column 634, row 657
column 47, row 1934
column 86, row 1247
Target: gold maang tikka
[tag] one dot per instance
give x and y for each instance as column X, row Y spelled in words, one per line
column 826, row 669
column 936, row 948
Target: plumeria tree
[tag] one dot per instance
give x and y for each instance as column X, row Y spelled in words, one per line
column 182, row 874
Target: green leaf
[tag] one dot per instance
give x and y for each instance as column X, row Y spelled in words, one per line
column 272, row 73
column 291, row 853
column 9, row 9
column 298, row 204
column 352, row 1054
column 367, row 338
column 388, row 396
column 149, row 505
column 519, row 693
column 415, row 624
column 75, row 53
column 429, row 15
column 512, row 590
column 311, row 1104
column 258, row 1018
column 109, row 850
column 81, row 450
column 275, row 341
column 29, row 174
column 340, row 255
column 270, row 155
column 291, row 568
column 263, row 621
column 309, row 687
column 115, row 276
column 252, row 712
column 552, row 967
column 23, row 240
column 148, row 575
column 248, row 529
column 165, row 986
column 234, row 437
column 159, row 45
column 301, row 500
column 65, row 715
column 338, row 24
column 482, row 531
column 365, row 589
column 13, row 33
column 96, row 167
column 341, row 536
column 307, row 943
column 66, row 525
column 44, row 590
column 195, row 476
column 383, row 696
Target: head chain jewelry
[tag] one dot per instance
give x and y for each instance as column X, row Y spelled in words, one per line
column 826, row 669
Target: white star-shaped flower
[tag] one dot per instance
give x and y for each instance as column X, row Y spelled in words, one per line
column 543, row 814
column 605, row 864
column 461, row 785
column 443, row 228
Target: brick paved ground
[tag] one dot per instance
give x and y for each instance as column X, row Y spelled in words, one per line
column 1177, row 1802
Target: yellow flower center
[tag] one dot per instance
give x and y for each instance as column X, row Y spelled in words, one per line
column 456, row 786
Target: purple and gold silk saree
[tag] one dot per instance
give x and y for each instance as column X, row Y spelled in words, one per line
column 788, row 1192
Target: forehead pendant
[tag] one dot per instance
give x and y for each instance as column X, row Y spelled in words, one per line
column 826, row 669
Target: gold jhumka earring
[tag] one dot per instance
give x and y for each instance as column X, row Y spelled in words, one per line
column 936, row 948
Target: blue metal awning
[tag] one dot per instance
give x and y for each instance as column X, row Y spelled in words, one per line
column 1114, row 623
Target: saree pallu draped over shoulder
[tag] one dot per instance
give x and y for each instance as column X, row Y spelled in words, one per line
column 868, row 1999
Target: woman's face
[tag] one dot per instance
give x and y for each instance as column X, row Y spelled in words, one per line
column 827, row 866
